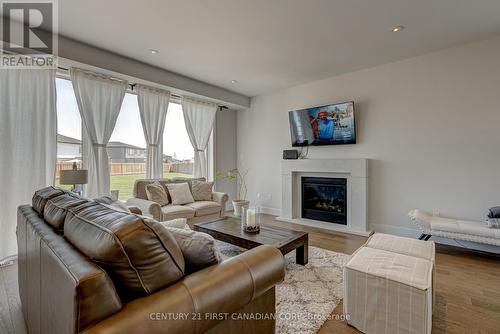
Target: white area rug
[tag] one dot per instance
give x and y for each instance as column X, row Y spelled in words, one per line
column 309, row 294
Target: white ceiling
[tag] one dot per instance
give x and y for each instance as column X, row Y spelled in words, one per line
column 272, row 44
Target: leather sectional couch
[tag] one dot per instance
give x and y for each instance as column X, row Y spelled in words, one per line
column 87, row 268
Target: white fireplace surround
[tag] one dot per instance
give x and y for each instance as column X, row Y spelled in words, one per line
column 356, row 173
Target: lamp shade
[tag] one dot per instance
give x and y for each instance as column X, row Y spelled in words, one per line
column 74, row 176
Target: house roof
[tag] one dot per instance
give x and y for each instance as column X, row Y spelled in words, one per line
column 120, row 144
column 68, row 140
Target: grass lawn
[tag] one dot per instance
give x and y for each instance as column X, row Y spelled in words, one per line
column 125, row 183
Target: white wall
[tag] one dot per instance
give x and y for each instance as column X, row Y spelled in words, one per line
column 430, row 124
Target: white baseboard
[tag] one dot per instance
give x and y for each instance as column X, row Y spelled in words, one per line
column 270, row 211
column 396, row 230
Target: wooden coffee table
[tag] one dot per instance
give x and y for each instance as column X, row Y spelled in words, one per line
column 229, row 230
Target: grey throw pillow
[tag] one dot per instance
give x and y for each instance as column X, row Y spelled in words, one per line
column 199, row 249
column 202, row 191
column 157, row 193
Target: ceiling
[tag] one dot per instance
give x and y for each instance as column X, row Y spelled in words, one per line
column 271, row 44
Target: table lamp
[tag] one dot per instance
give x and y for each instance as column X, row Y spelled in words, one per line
column 74, row 176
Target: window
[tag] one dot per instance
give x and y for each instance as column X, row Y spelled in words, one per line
column 127, row 148
column 177, row 149
column 69, row 129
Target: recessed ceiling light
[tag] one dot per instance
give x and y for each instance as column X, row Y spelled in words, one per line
column 154, row 51
column 234, row 81
column 397, row 28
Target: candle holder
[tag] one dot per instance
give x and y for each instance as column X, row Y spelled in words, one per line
column 250, row 220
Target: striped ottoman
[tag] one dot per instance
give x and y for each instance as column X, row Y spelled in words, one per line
column 388, row 285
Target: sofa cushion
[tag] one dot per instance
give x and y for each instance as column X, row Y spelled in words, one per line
column 139, row 254
column 205, row 208
column 180, row 193
column 56, row 209
column 199, row 249
column 41, row 197
column 202, row 191
column 177, row 211
column 157, row 193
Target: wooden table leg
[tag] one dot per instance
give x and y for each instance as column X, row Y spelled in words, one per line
column 302, row 256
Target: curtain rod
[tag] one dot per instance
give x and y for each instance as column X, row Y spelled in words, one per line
column 132, row 86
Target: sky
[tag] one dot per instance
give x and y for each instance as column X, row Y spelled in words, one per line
column 128, row 127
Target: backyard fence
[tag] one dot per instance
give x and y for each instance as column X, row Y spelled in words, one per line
column 132, row 168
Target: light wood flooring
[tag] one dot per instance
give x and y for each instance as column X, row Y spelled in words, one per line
column 467, row 287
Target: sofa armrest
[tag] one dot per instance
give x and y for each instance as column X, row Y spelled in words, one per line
column 201, row 297
column 222, row 199
column 147, row 207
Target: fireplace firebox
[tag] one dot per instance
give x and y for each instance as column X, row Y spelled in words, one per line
column 325, row 199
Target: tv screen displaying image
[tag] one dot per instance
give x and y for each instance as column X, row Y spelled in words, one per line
column 332, row 124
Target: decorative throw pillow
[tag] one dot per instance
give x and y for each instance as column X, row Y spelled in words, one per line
column 177, row 223
column 180, row 193
column 199, row 249
column 202, row 191
column 156, row 193
column 493, row 222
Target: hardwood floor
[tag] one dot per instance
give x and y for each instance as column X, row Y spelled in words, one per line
column 467, row 287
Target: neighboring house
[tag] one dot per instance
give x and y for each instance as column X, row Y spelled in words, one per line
column 68, row 148
column 119, row 152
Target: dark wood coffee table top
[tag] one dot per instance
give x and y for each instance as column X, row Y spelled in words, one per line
column 229, row 230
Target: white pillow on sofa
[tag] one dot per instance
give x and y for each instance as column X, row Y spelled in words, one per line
column 177, row 223
column 180, row 193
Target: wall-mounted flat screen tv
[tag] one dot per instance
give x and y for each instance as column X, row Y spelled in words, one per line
column 332, row 124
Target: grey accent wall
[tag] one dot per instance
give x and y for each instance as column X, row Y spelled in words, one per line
column 225, row 149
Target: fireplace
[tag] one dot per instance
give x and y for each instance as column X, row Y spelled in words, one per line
column 325, row 199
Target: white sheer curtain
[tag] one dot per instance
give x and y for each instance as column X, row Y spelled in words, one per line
column 99, row 100
column 199, row 117
column 153, row 106
column 28, row 143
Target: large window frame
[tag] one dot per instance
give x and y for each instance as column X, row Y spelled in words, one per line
column 210, row 152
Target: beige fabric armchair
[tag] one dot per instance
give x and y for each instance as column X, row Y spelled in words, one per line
column 196, row 212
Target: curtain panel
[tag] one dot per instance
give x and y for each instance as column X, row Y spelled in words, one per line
column 153, row 106
column 28, row 143
column 99, row 100
column 199, row 117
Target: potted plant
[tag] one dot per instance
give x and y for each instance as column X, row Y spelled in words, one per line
column 237, row 176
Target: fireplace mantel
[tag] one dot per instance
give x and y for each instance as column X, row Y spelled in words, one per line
column 356, row 173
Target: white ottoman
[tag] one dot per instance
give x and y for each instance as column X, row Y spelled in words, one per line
column 389, row 292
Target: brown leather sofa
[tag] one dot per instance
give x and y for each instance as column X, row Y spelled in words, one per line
column 63, row 291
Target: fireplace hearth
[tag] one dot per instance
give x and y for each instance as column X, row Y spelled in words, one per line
column 325, row 199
